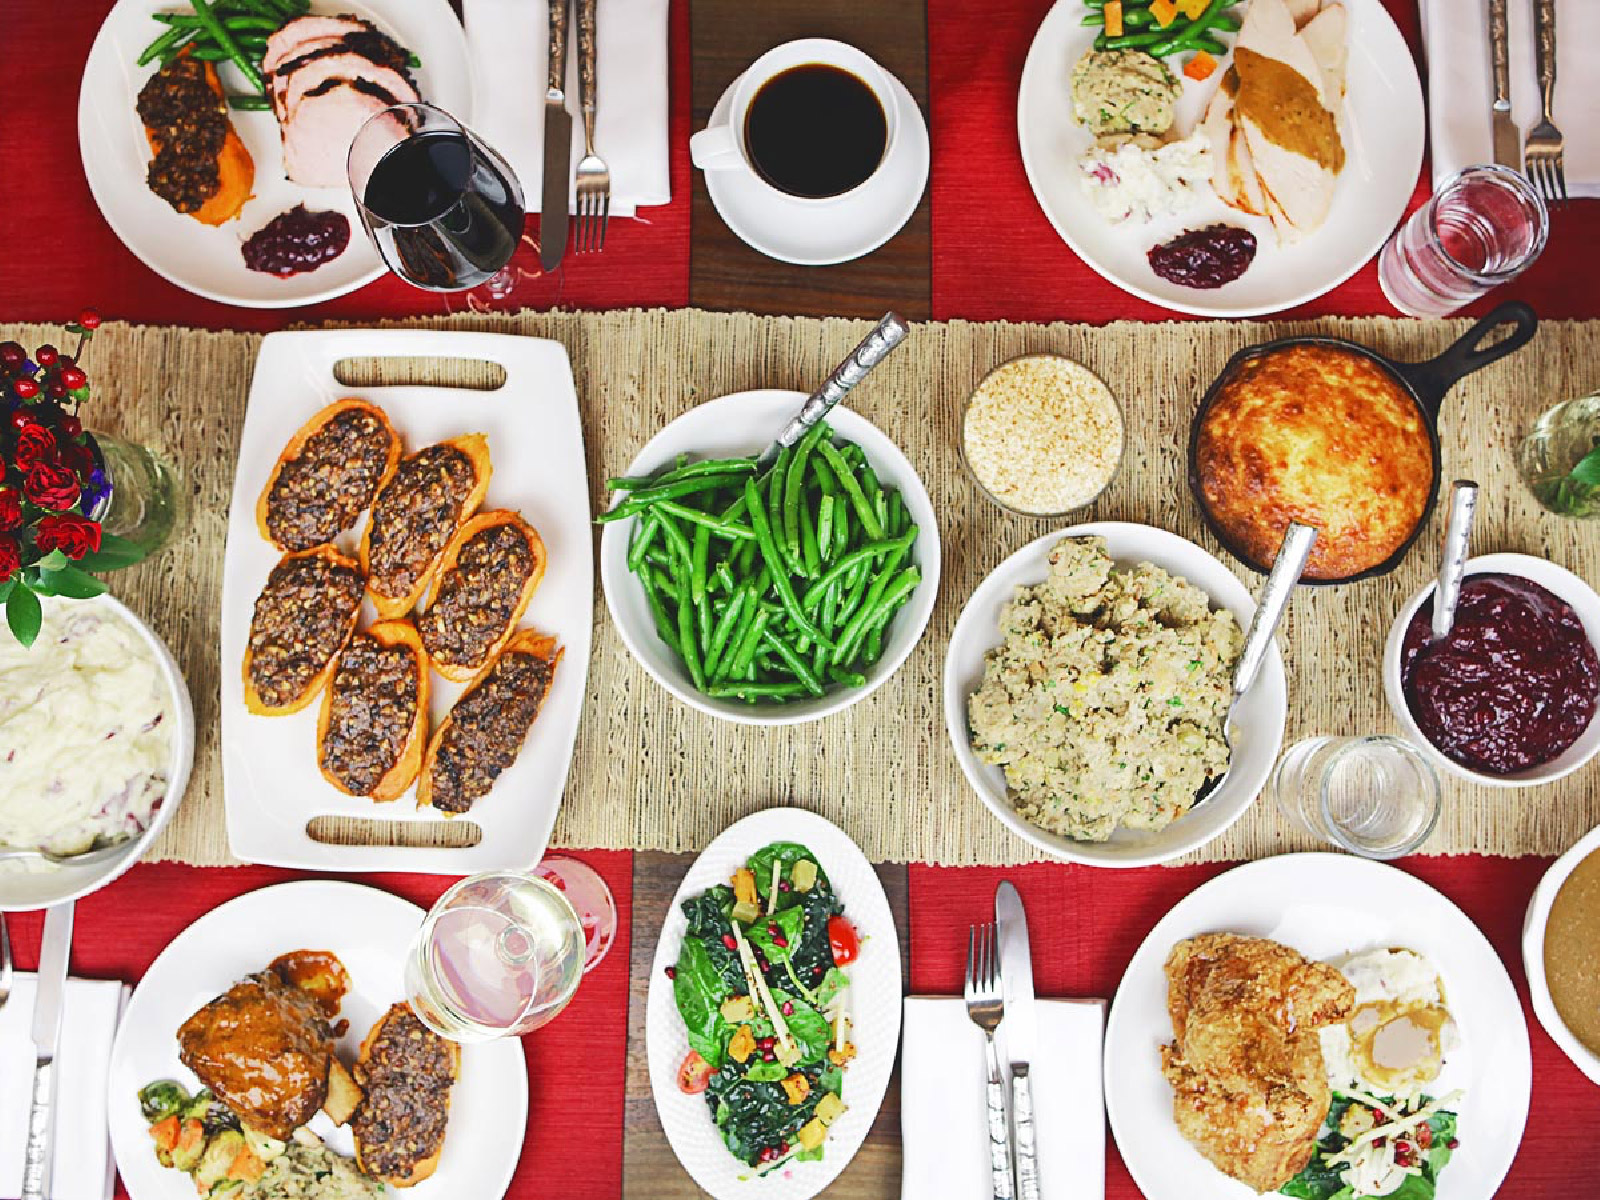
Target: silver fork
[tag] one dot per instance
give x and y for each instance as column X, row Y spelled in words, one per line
column 986, row 1008
column 5, row 961
column 593, row 176
column 1542, row 155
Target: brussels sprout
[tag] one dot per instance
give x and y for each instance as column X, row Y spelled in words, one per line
column 162, row 1099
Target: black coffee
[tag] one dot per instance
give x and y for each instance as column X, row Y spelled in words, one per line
column 815, row 131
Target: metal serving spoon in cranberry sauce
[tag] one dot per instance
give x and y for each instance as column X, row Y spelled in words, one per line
column 1511, row 686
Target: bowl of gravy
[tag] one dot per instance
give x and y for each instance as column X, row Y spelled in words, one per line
column 1561, row 953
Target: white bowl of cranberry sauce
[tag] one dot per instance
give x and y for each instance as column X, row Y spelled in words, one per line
column 1509, row 698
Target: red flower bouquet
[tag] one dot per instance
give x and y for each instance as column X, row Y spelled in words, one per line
column 52, row 484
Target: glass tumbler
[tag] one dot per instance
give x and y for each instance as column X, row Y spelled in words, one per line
column 1483, row 227
column 500, row 954
column 1375, row 796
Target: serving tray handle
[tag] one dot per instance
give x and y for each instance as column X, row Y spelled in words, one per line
column 1432, row 379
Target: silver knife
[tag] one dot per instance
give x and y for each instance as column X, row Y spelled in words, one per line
column 1507, row 141
column 557, row 146
column 1022, row 1029
column 51, row 988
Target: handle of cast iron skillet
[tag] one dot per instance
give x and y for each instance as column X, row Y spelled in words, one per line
column 1432, row 379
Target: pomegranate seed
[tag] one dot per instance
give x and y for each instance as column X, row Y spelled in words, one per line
column 769, row 1055
column 773, row 930
column 1402, row 1147
column 816, row 971
column 788, row 1009
column 767, row 1043
column 783, row 885
column 783, row 1147
column 781, row 942
column 1451, row 1144
column 727, row 940
column 1424, row 1136
column 1380, row 1141
column 672, row 972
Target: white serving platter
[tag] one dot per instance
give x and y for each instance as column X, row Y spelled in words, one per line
column 1383, row 128
column 1326, row 906
column 271, row 783
column 874, row 1007
column 206, row 260
column 370, row 931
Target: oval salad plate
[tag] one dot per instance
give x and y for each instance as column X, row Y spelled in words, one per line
column 1326, row 906
column 207, row 260
column 870, row 997
column 1382, row 126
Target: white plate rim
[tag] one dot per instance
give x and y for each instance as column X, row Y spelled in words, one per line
column 1300, row 872
column 1062, row 14
column 103, row 66
column 684, row 1118
column 128, row 1138
column 307, row 357
column 1272, row 681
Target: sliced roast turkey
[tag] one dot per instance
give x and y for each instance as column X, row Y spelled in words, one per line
column 282, row 45
column 289, row 91
column 316, row 139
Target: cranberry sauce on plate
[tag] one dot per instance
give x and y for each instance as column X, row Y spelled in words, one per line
column 297, row 240
column 1513, row 685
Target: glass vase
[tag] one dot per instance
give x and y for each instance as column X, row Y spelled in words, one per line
column 145, row 504
column 1559, row 458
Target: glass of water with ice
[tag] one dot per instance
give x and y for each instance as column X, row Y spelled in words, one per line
column 1375, row 796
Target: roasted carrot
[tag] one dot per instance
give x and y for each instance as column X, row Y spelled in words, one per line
column 1113, row 11
column 1200, row 66
column 1165, row 12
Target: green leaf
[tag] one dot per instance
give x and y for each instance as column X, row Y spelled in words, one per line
column 1587, row 469
column 5, row 589
column 71, row 582
column 55, row 559
column 786, row 853
column 24, row 615
column 767, row 1072
column 808, row 1027
column 114, row 554
column 788, row 922
column 698, row 990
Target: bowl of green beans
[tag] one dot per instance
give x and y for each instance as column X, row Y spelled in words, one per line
column 776, row 597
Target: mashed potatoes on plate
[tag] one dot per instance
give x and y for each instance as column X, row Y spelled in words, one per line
column 1105, row 705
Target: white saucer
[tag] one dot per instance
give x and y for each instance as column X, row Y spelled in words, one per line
column 809, row 235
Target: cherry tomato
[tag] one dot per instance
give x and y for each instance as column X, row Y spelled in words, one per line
column 694, row 1073
column 843, row 940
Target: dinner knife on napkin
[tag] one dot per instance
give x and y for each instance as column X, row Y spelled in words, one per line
column 557, row 185
column 1507, row 141
column 47, row 1001
column 1022, row 1029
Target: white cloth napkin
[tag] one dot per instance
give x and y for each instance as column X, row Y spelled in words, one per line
column 83, row 1169
column 508, row 42
column 1460, row 85
column 944, row 1113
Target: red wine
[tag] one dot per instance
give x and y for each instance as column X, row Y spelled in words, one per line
column 815, row 131
column 444, row 214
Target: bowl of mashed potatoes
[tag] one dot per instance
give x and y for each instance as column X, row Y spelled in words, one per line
column 96, row 743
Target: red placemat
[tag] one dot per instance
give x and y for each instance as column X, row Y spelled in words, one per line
column 57, row 253
column 575, row 1064
column 1086, row 924
column 996, row 256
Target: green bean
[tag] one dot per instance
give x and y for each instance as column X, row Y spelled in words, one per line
column 169, row 40
column 752, row 638
column 828, row 615
column 249, row 103
column 780, row 575
column 852, row 679
column 755, row 691
column 1176, row 40
column 675, row 539
column 1209, row 44
column 872, row 550
column 791, row 659
column 841, row 524
column 824, row 527
column 774, row 484
column 723, row 529
column 658, row 610
column 724, row 576
column 698, row 557
column 723, row 631
column 702, row 623
column 688, row 645
column 794, row 482
column 811, row 555
column 211, row 54
column 661, row 558
column 1129, row 41
column 643, row 499
column 898, row 517
column 852, row 489
column 874, row 643
column 706, row 466
column 224, row 39
column 887, row 599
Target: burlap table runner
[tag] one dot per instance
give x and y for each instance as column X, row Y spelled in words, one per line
column 650, row 773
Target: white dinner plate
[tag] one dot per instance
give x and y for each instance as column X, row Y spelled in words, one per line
column 1382, row 126
column 271, row 785
column 370, row 932
column 1258, row 720
column 1325, row 906
column 874, row 1003
column 206, row 260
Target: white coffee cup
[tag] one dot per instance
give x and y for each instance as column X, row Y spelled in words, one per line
column 721, row 147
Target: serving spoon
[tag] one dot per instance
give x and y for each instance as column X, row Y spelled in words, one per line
column 1453, row 563
column 1286, row 571
column 99, row 852
column 874, row 348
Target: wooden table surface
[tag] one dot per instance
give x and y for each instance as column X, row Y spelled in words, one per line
column 650, row 1170
column 724, row 273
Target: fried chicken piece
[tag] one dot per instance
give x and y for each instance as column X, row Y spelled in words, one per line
column 1250, row 1089
column 263, row 1047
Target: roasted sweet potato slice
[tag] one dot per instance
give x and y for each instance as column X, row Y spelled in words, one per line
column 406, row 1072
column 236, row 170
column 373, row 726
column 488, row 573
column 328, row 475
column 484, row 732
column 303, row 617
column 429, row 496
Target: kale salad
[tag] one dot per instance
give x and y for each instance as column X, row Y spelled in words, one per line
column 760, row 985
column 1372, row 1146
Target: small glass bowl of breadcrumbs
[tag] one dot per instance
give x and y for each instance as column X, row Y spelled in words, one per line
column 1042, row 435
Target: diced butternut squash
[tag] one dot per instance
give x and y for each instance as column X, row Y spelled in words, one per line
column 165, row 1132
column 811, row 1134
column 1113, row 13
column 738, row 1009
column 843, row 1055
column 796, row 1088
column 1193, row 9
column 1200, row 66
column 830, row 1108
column 247, row 1166
column 744, row 886
column 803, row 875
column 1163, row 12
column 742, row 1044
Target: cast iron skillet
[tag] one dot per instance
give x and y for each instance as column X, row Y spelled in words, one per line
column 1425, row 382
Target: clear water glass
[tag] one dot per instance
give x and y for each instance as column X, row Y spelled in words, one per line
column 1375, row 796
column 1483, row 227
column 1559, row 458
column 500, row 954
column 145, row 505
column 590, row 896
